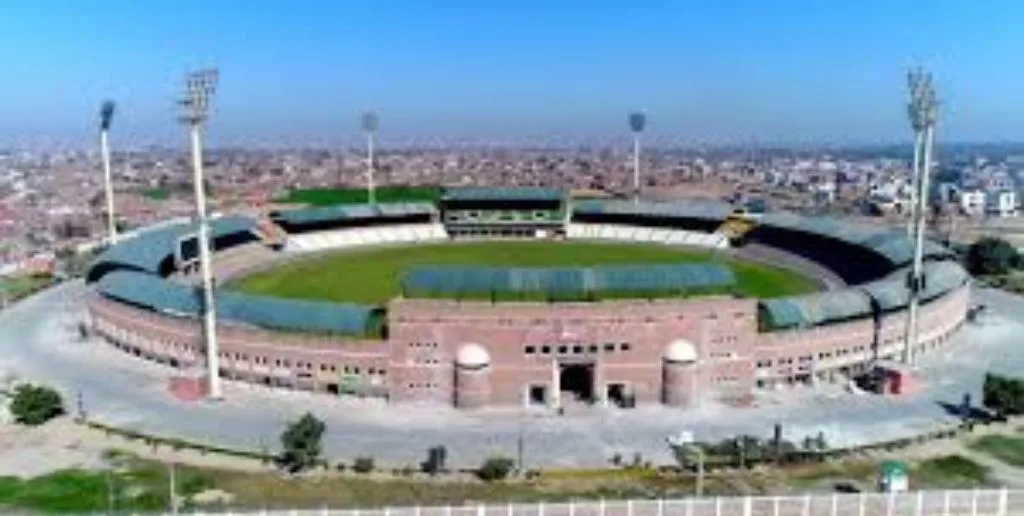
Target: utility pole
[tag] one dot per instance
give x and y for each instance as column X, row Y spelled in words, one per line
column 922, row 109
column 106, row 117
column 199, row 89
column 370, row 123
column 637, row 122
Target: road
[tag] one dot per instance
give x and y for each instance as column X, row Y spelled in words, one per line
column 39, row 342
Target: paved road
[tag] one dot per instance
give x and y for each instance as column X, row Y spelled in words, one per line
column 38, row 340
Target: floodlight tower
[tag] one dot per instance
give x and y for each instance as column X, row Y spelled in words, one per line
column 637, row 121
column 915, row 80
column 923, row 113
column 106, row 117
column 370, row 122
column 199, row 89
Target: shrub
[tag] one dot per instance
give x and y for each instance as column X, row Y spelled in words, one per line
column 495, row 468
column 34, row 405
column 363, row 465
column 300, row 443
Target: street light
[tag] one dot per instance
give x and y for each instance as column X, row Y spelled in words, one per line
column 637, row 121
column 923, row 111
column 106, row 117
column 199, row 89
column 370, row 122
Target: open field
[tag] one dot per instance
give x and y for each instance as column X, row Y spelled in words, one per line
column 1008, row 449
column 17, row 287
column 331, row 196
column 373, row 276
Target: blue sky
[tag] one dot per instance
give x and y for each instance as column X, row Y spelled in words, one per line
column 300, row 71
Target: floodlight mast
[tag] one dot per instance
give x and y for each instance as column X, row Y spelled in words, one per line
column 923, row 113
column 637, row 121
column 199, row 89
column 106, row 117
column 914, row 81
column 370, row 122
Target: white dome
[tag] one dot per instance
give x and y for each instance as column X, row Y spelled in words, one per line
column 681, row 350
column 472, row 355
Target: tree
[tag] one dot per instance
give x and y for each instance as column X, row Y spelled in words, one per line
column 34, row 405
column 495, row 468
column 991, row 256
column 1003, row 394
column 300, row 443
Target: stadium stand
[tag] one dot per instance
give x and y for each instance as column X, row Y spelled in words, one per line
column 577, row 283
column 148, row 291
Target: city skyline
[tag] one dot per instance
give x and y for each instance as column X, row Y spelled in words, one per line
column 298, row 76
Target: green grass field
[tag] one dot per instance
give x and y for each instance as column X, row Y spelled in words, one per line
column 1003, row 447
column 332, row 196
column 372, row 276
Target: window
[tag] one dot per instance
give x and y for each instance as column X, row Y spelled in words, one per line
column 624, row 346
column 355, row 370
column 371, row 371
column 592, row 348
column 545, row 350
column 323, row 367
column 563, row 349
column 530, row 350
column 609, row 347
column 577, row 349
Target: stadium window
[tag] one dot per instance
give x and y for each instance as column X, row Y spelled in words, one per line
column 383, row 372
column 323, row 367
column 563, row 349
column 609, row 347
column 577, row 349
column 592, row 348
column 309, row 366
column 277, row 362
column 346, row 370
column 624, row 346
column 371, row 371
column 355, row 370
column 530, row 350
column 546, row 350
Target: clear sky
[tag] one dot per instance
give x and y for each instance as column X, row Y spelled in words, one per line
column 300, row 71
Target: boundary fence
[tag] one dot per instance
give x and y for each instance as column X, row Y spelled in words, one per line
column 978, row 502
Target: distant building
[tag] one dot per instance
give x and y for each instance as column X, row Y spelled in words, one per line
column 1002, row 203
column 972, row 202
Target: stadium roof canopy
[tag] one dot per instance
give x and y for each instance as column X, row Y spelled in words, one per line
column 147, row 251
column 815, row 309
column 343, row 212
column 695, row 209
column 159, row 294
column 497, row 194
column 471, row 280
column 889, row 293
column 892, row 245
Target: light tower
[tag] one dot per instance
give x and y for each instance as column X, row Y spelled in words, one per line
column 923, row 110
column 106, row 117
column 637, row 121
column 915, row 80
column 199, row 89
column 370, row 122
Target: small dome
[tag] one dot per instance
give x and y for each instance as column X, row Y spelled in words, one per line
column 681, row 350
column 472, row 355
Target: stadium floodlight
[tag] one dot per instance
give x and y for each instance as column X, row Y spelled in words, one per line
column 369, row 122
column 199, row 89
column 106, row 117
column 923, row 111
column 637, row 122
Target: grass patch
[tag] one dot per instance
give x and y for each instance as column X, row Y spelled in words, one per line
column 156, row 194
column 332, row 196
column 17, row 287
column 1003, row 447
column 949, row 472
column 372, row 276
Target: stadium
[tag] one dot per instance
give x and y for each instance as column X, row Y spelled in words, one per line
column 526, row 297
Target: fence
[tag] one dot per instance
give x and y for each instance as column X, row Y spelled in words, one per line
column 978, row 502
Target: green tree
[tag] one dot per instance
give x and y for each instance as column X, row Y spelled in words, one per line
column 34, row 404
column 495, row 468
column 301, row 443
column 990, row 256
column 1003, row 394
